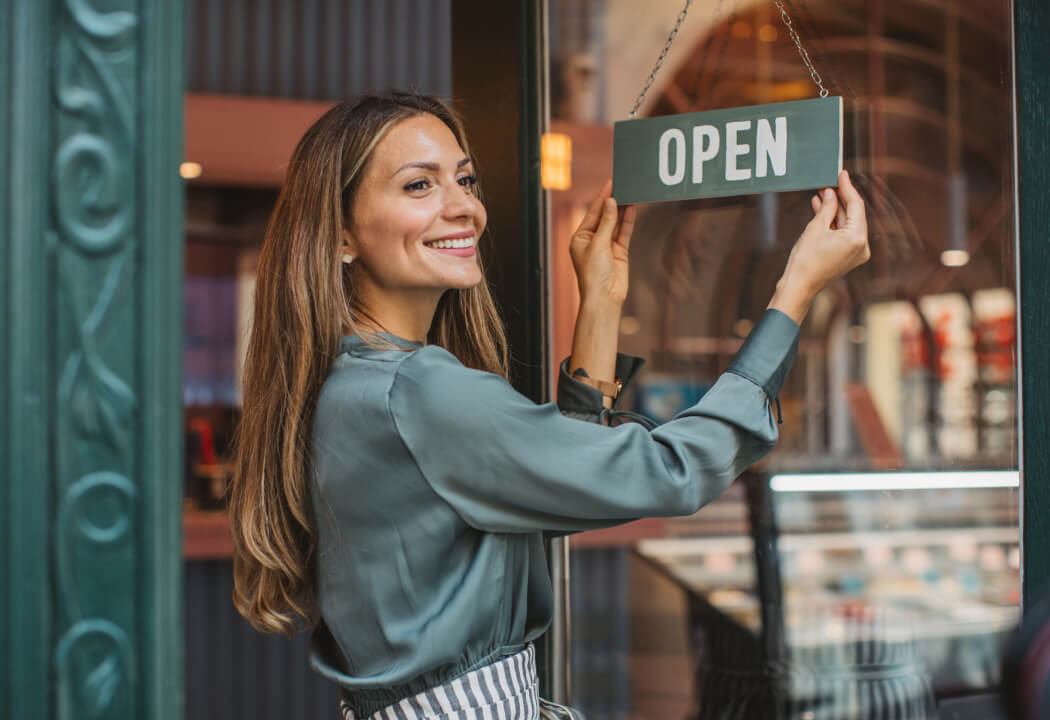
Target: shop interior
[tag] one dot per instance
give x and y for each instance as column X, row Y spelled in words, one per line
column 870, row 565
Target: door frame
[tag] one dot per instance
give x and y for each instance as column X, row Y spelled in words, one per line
column 1032, row 230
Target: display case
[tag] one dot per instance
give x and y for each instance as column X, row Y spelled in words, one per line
column 890, row 590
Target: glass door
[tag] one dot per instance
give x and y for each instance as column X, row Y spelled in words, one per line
column 869, row 567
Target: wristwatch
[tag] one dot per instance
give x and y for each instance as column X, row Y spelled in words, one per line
column 610, row 390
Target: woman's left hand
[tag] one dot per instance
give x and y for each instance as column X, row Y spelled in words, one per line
column 599, row 250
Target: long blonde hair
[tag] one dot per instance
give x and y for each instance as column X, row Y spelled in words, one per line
column 304, row 303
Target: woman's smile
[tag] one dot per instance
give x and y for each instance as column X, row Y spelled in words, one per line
column 459, row 244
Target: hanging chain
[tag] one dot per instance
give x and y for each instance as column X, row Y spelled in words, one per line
column 660, row 60
column 781, row 6
column 801, row 50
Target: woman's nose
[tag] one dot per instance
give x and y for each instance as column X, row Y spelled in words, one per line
column 460, row 204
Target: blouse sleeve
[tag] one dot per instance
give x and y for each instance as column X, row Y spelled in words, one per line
column 584, row 402
column 506, row 464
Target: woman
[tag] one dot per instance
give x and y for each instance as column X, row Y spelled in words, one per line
column 390, row 485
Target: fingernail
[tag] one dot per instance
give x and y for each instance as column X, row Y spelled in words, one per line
column 828, row 193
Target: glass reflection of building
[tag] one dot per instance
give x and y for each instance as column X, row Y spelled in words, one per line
column 877, row 572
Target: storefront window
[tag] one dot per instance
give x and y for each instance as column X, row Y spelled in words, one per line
column 869, row 567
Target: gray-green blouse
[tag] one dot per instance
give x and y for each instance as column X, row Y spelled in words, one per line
column 434, row 485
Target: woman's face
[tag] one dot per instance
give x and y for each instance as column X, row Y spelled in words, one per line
column 415, row 221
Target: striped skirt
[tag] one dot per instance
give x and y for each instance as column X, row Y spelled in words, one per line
column 504, row 690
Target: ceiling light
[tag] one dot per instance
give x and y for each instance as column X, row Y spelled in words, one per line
column 850, row 482
column 954, row 258
column 767, row 33
column 556, row 161
column 190, row 170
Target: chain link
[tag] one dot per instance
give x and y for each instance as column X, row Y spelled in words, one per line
column 660, row 60
column 801, row 50
column 784, row 16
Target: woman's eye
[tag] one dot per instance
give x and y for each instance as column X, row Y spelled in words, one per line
column 468, row 181
column 417, row 186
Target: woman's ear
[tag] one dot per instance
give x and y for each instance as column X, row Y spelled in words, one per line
column 349, row 247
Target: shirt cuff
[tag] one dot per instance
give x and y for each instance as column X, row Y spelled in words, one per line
column 768, row 353
column 577, row 397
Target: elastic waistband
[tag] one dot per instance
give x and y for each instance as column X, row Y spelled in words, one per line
column 511, row 683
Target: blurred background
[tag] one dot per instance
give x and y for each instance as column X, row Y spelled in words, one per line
column 868, row 568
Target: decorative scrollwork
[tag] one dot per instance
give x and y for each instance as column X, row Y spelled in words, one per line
column 115, row 27
column 100, row 403
column 102, row 678
column 96, row 87
column 90, row 218
column 94, row 167
column 78, row 521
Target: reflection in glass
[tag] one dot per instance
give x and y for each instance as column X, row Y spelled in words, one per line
column 857, row 596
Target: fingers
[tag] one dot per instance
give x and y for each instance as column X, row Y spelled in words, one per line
column 828, row 207
column 815, row 202
column 854, row 202
column 594, row 212
column 607, row 224
column 840, row 215
column 623, row 233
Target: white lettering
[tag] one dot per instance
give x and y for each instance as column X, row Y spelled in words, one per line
column 666, row 176
column 773, row 147
column 735, row 149
column 701, row 152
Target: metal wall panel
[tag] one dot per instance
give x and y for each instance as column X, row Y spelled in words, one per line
column 318, row 49
column 232, row 671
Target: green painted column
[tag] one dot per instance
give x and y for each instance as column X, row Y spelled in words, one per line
column 1032, row 64
column 90, row 319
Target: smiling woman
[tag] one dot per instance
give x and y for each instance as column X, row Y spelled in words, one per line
column 413, row 226
column 390, row 487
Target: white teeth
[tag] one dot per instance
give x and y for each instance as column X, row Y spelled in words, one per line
column 450, row 244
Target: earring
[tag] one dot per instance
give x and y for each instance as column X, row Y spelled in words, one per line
column 348, row 258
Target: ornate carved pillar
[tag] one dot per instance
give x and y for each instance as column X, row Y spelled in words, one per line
column 90, row 318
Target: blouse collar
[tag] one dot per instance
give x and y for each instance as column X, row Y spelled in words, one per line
column 357, row 344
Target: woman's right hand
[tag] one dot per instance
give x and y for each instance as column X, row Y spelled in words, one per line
column 834, row 242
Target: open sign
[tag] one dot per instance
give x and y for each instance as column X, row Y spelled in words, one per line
column 737, row 151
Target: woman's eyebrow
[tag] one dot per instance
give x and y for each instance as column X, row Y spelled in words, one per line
column 432, row 167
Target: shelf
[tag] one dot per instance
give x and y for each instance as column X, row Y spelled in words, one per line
column 690, row 547
column 206, row 535
column 245, row 141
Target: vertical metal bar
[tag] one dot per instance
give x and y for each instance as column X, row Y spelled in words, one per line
column 1031, row 106
column 335, row 69
column 160, row 225
column 499, row 82
column 559, row 672
column 26, row 655
column 5, row 393
column 442, row 71
column 378, row 33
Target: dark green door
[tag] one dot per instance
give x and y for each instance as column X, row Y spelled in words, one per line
column 1032, row 24
column 90, row 235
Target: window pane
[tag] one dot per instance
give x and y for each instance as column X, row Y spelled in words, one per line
column 868, row 567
